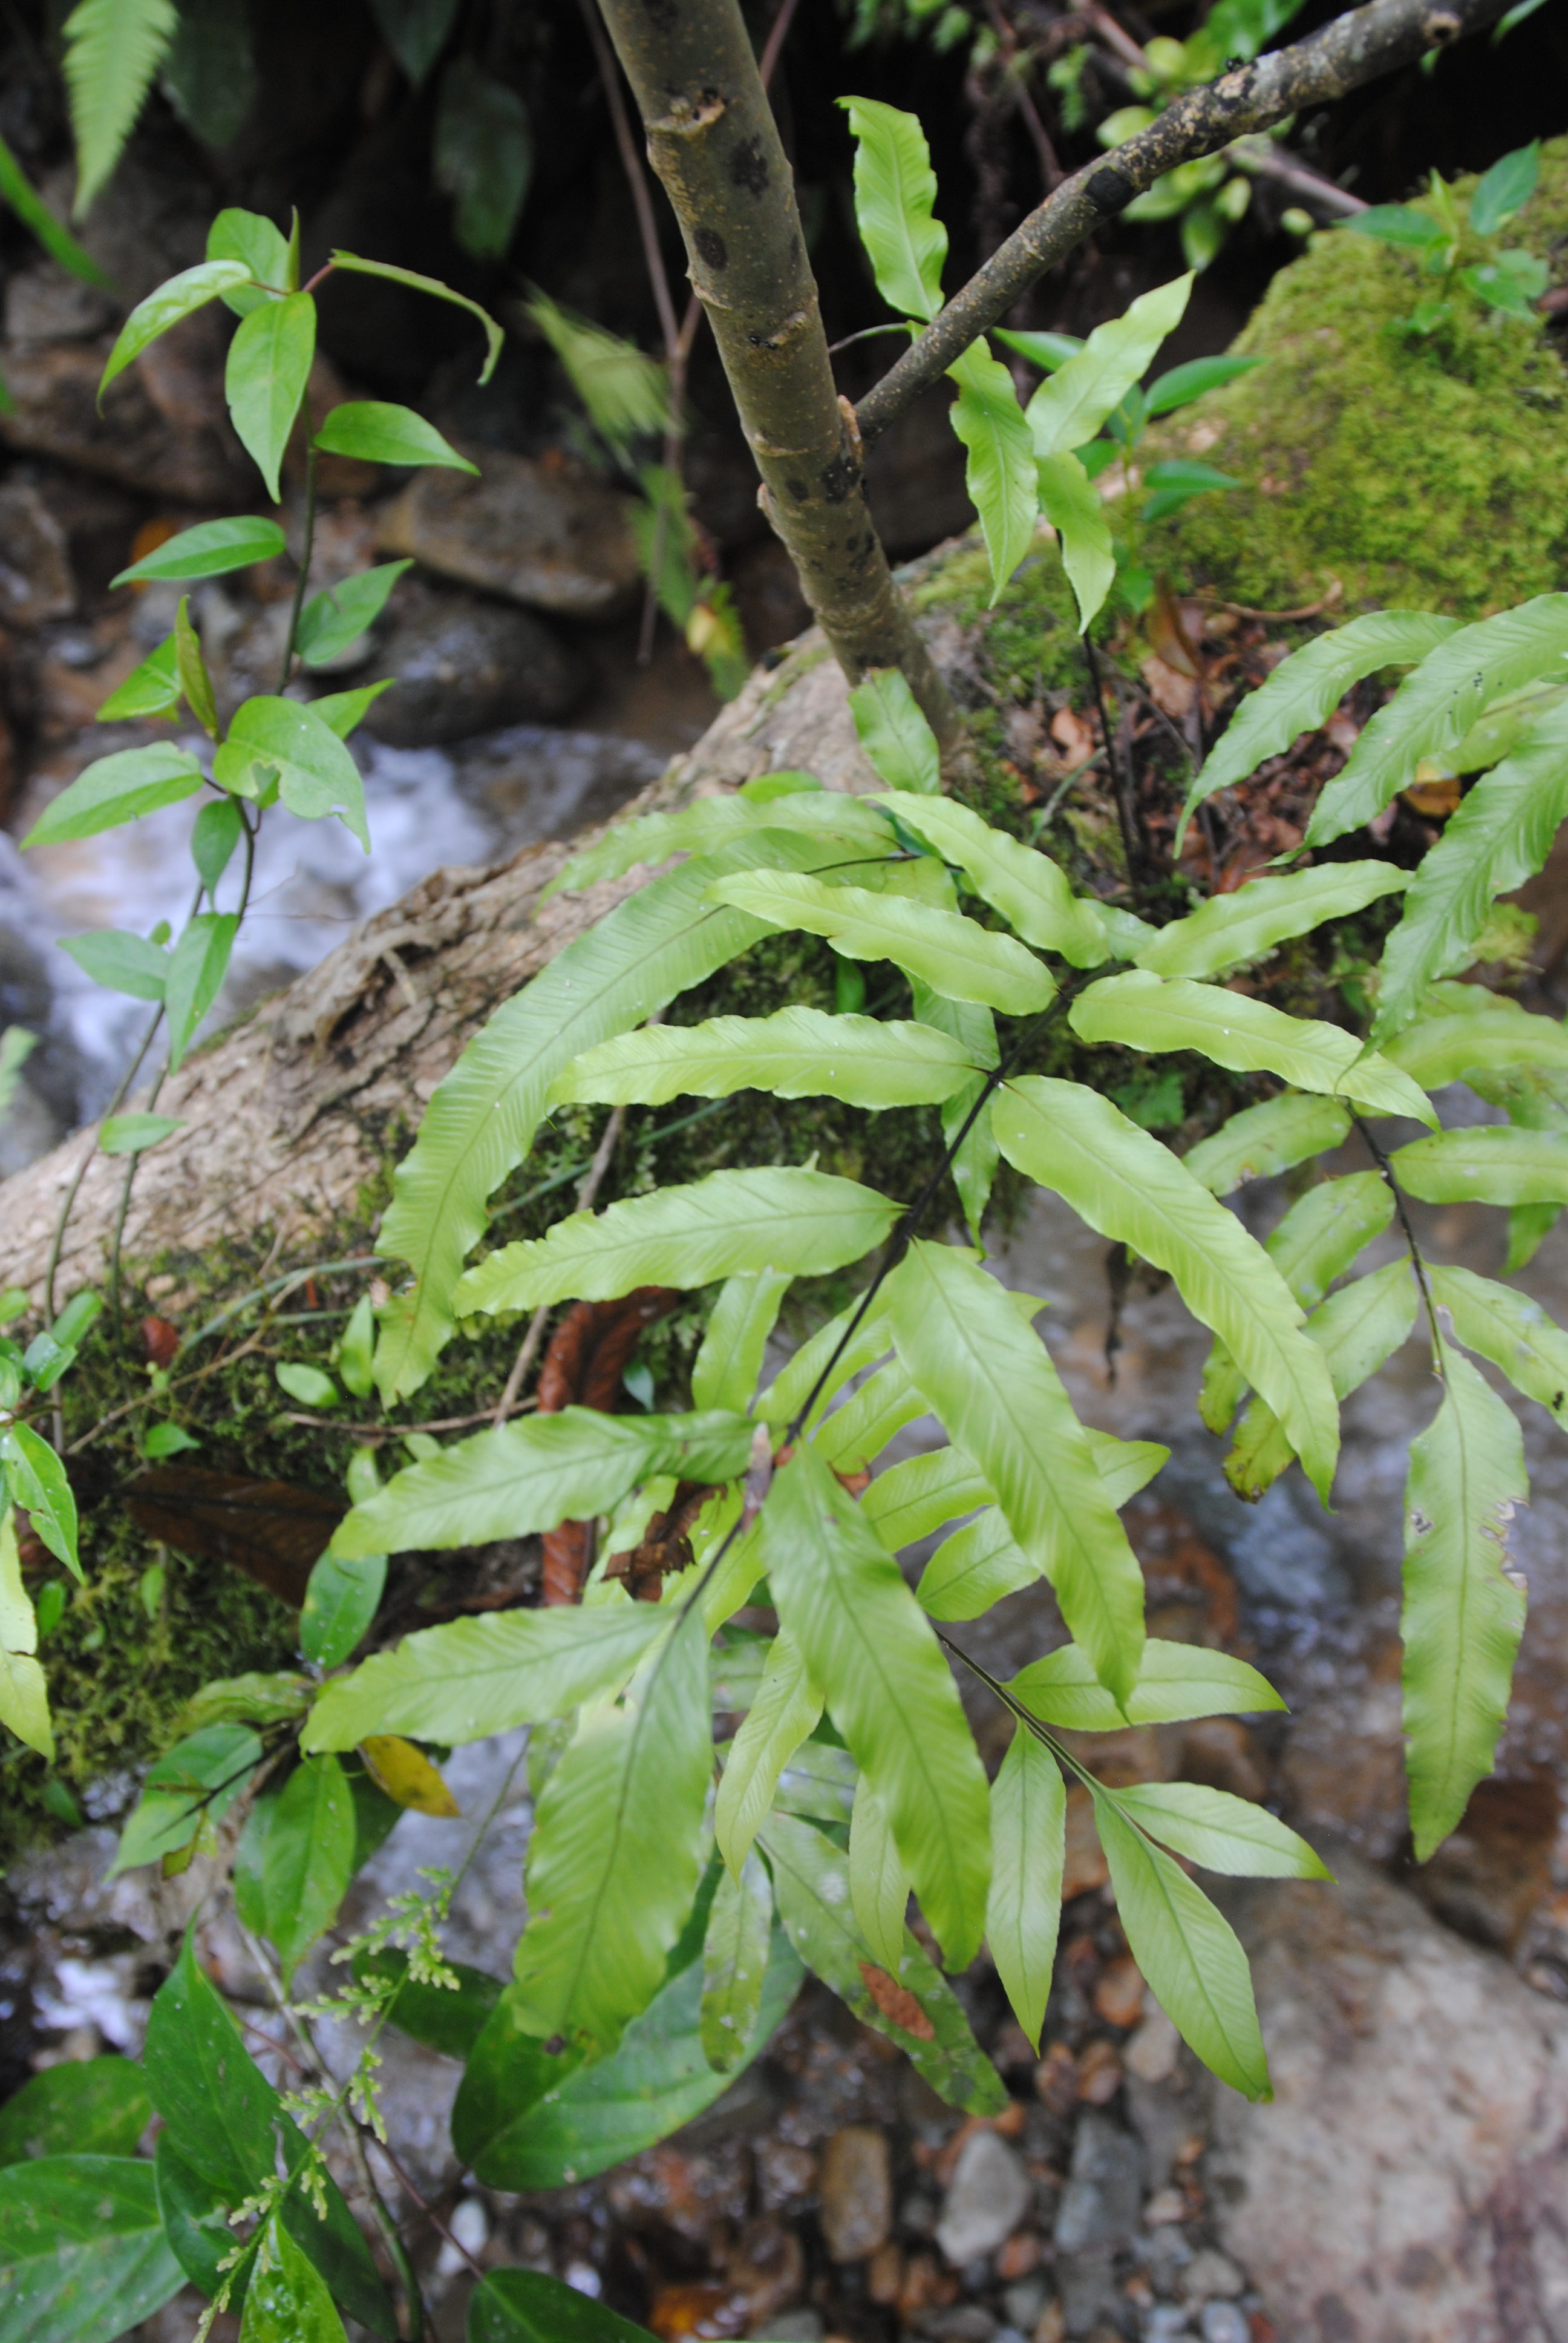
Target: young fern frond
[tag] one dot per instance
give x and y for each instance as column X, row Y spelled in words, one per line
column 112, row 49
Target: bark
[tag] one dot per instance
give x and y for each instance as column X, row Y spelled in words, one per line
column 1355, row 48
column 713, row 142
column 288, row 1118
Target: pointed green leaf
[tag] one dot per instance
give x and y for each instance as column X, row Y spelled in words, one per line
column 992, row 1381
column 1304, row 690
column 122, row 962
column 912, row 1499
column 790, row 1388
column 264, row 375
column 1131, row 1189
column 1187, row 1952
column 1220, row 1832
column 30, row 208
column 734, row 1963
column 39, row 1484
column 528, row 2306
column 1438, row 1048
column 1262, row 1141
column 727, row 1364
column 811, row 1882
column 1435, row 707
column 895, row 195
column 1505, row 189
column 340, row 711
column 974, row 1569
column 889, row 1690
column 1485, row 1164
column 1324, row 1231
column 92, row 2107
column 1145, row 1011
column 1356, row 1329
column 820, row 1780
column 1000, row 475
column 1176, row 1681
column 1028, row 1834
column 131, row 1134
column 357, row 265
column 198, row 966
column 855, row 1434
column 262, row 250
column 83, row 2254
column 151, row 689
column 333, row 620
column 955, row 956
column 478, row 1676
column 317, row 775
column 193, row 288
column 617, row 1849
column 1071, row 406
column 194, row 1783
column 974, row 1167
column 23, row 1695
column 309, row 1857
column 794, row 1053
column 1026, row 887
column 786, row 1710
column 713, row 822
column 879, row 1883
column 1512, row 1331
column 115, row 790
column 1464, row 1597
column 211, row 549
column 378, row 433
column 1230, row 931
column 285, row 2300
column 892, row 729
column 340, row 1601
column 1071, row 504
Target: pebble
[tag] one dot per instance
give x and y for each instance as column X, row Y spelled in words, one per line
column 1103, row 2199
column 1166, row 2323
column 1224, row 2323
column 1166, row 2205
column 987, row 2196
column 1209, row 2273
column 1098, row 2073
column 856, row 2186
column 1152, row 2053
column 801, row 2326
column 1024, row 2302
column 1119, row 1996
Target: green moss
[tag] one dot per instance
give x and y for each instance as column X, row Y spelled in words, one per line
column 1430, row 471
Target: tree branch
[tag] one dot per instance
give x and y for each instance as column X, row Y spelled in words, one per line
column 1355, row 48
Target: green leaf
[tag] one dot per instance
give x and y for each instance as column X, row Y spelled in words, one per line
column 812, row 1883
column 1498, row 837
column 83, row 2254
column 1071, row 406
column 264, row 376
column 215, row 832
column 890, row 1691
column 617, row 1849
column 309, row 1857
column 90, row 2106
column 527, row 2306
column 992, row 1381
column 29, row 207
column 773, row 1217
column 191, row 669
column 112, row 49
column 340, row 711
column 443, row 2018
column 196, row 2223
column 1505, row 189
column 1177, row 481
column 1262, row 1141
column 974, row 1168
column 264, row 250
column 193, row 1783
column 1028, row 1837
column 1220, row 1832
column 1026, row 887
column 478, row 1676
column 285, row 2300
column 334, row 619
column 494, row 336
column 895, row 197
column 1000, row 475
column 794, row 1053
column 151, row 689
column 1435, row 707
column 1183, row 384
column 415, row 31
column 627, row 395
column 378, row 433
column 115, row 790
column 317, row 775
column 1356, row 1330
column 734, row 1963
column 1071, row 504
column 714, row 822
column 224, row 2122
column 1325, row 1229
column 974, row 1569
column 211, row 549
column 1230, row 931
column 1046, row 352
column 1511, row 1330
column 1450, row 1040
column 1304, row 689
column 879, row 1883
column 308, row 1386
column 1464, row 1596
column 1145, row 1011
column 39, row 1484
column 1130, row 1188
column 198, row 966
column 23, row 1695
column 482, row 156
column 892, row 728
column 955, row 956
column 120, row 961
column 1176, row 1681
column 727, row 1364
column 1399, row 224
column 1188, row 1954
column 481, row 1120
column 787, row 1708
column 820, row 1780
column 855, row 1434
column 132, row 1134
column 252, row 1699
column 1488, row 1164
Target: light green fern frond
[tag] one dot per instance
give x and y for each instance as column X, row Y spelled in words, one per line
column 113, row 48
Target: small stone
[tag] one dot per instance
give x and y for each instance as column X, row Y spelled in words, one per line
column 1103, row 2197
column 856, row 2186
column 1098, row 2073
column 1210, row 2274
column 885, row 2274
column 965, row 2322
column 1056, row 2081
column 1119, row 1996
column 1166, row 2205
column 1165, row 2323
column 464, row 666
column 35, row 580
column 987, row 2196
column 1019, row 2255
column 1051, row 2324
column 1224, row 2323
column 1084, row 1864
column 1024, row 2302
column 1152, row 2053
column 549, row 535
column 802, row 2326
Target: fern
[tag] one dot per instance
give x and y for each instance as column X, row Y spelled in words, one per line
column 112, row 49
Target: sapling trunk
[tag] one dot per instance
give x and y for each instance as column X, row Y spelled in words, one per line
column 712, row 140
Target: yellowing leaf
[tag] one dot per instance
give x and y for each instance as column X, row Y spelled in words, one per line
column 407, row 1775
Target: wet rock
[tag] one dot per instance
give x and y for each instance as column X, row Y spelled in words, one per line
column 854, row 2183
column 546, row 535
column 1103, row 2197
column 987, row 2198
column 1152, row 2053
column 35, row 580
column 464, row 666
column 1487, row 1879
column 155, row 434
column 1412, row 2156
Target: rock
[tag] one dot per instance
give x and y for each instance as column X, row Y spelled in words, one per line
column 464, row 666
column 855, row 2184
column 795, row 2327
column 1209, row 2274
column 1098, row 2073
column 546, row 535
column 1223, row 2322
column 35, row 580
column 47, row 304
column 987, row 2198
column 1119, row 1996
column 1103, row 2197
column 1085, row 1865
column 1408, row 2179
column 1152, row 2053
column 155, row 434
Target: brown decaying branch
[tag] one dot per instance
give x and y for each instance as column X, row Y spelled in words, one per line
column 1355, row 48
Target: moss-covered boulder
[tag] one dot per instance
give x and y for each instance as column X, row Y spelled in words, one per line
column 1427, row 470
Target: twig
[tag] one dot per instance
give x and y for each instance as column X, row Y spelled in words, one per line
column 1120, row 781
column 609, row 1143
column 1416, row 1261
column 1261, row 159
column 635, row 178
column 384, row 1431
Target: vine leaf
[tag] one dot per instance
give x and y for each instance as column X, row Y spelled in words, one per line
column 895, row 195
column 786, row 1710
column 1356, row 1329
column 955, row 956
column 1071, row 504
column 1072, row 404
column 725, row 1371
column 1262, row 1141
column 892, row 728
column 309, row 1857
column 115, row 790
column 1490, row 1164
column 177, row 296
column 715, row 822
column 264, row 375
column 1512, row 1331
column 879, row 1883
column 1028, row 1829
column 1463, row 1599
column 1221, row 1831
column 24, row 1695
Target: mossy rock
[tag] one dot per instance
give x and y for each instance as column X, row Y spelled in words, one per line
column 1423, row 472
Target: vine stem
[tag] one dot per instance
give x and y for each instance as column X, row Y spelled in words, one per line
column 1121, row 780
column 1417, row 1261
column 302, row 580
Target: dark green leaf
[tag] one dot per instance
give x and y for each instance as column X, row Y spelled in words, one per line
column 29, row 207
column 317, row 775
column 1182, row 384
column 287, row 2301
column 196, row 2223
column 93, row 2106
column 38, row 1483
column 309, row 1856
column 216, row 834
column 197, row 1780
column 115, row 790
column 211, row 549
column 414, row 30
column 483, row 156
column 83, row 2254
column 210, row 73
column 340, row 1602
column 525, row 2306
